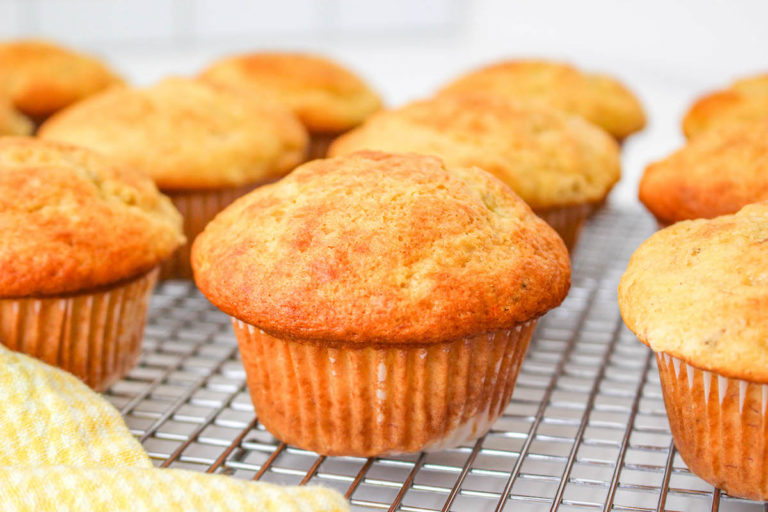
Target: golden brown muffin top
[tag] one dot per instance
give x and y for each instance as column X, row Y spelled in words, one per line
column 698, row 291
column 598, row 98
column 72, row 221
column 42, row 78
column 714, row 174
column 13, row 122
column 745, row 101
column 186, row 134
column 324, row 95
column 548, row 157
column 381, row 248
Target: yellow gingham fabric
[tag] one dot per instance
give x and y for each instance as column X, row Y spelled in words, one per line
column 63, row 448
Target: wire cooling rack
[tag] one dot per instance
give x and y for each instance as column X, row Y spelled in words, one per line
column 585, row 430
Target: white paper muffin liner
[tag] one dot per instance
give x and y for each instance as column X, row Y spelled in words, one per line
column 96, row 336
column 719, row 425
column 347, row 399
column 319, row 142
column 566, row 220
column 198, row 208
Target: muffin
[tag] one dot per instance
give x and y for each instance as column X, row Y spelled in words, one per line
column 327, row 98
column 745, row 101
column 383, row 303
column 696, row 293
column 13, row 122
column 82, row 240
column 42, row 78
column 716, row 173
column 202, row 145
column 559, row 164
column 597, row 98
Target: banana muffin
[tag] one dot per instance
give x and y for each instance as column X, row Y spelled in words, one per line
column 42, row 78
column 383, row 303
column 745, row 101
column 82, row 240
column 326, row 97
column 202, row 145
column 600, row 99
column 696, row 293
column 559, row 164
column 716, row 173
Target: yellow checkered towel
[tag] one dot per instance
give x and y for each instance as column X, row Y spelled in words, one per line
column 64, row 448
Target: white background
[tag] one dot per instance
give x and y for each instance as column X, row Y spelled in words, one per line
column 669, row 52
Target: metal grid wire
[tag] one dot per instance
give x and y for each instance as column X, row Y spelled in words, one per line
column 585, row 430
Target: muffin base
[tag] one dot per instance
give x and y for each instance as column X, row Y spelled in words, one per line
column 319, row 142
column 367, row 400
column 198, row 208
column 719, row 425
column 566, row 220
column 95, row 335
column 596, row 207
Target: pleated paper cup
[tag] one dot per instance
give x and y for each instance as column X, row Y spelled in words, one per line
column 596, row 207
column 95, row 335
column 719, row 425
column 662, row 224
column 566, row 220
column 198, row 208
column 347, row 399
column 319, row 142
